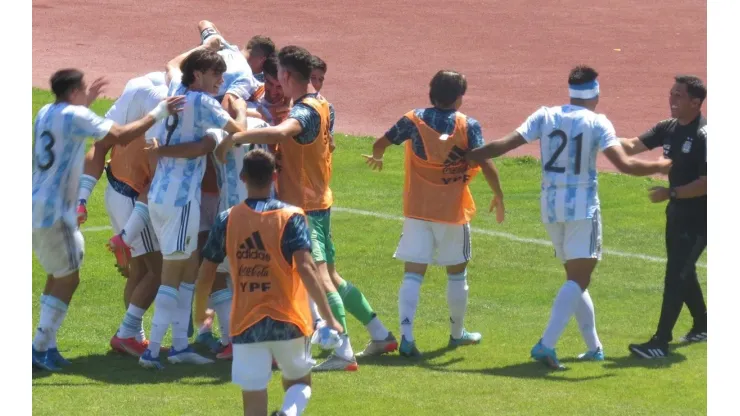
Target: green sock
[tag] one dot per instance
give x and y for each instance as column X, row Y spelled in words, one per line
column 356, row 303
column 337, row 309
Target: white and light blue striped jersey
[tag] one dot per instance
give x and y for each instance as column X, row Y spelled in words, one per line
column 177, row 181
column 59, row 134
column 238, row 78
column 232, row 189
column 139, row 97
column 570, row 139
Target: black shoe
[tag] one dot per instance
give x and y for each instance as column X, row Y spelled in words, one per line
column 278, row 413
column 654, row 348
column 695, row 335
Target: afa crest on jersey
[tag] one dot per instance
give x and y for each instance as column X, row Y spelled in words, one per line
column 686, row 148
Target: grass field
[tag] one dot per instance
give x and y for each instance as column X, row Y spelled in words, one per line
column 512, row 285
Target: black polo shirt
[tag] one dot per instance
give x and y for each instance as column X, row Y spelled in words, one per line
column 686, row 146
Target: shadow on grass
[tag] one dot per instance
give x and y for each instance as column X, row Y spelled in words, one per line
column 630, row 361
column 117, row 369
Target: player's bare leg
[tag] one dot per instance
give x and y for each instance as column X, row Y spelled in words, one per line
column 202, row 314
column 568, row 300
column 457, row 302
column 408, row 301
column 381, row 341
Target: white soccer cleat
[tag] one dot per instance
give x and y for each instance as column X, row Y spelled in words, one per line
column 188, row 356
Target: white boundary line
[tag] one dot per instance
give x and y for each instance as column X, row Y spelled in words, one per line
column 491, row 233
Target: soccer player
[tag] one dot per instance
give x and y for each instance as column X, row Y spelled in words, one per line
column 683, row 138
column 174, row 196
column 438, row 205
column 317, row 73
column 273, row 104
column 60, row 132
column 129, row 174
column 304, row 173
column 258, row 50
column 570, row 138
column 267, row 246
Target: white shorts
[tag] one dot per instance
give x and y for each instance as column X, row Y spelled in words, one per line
column 251, row 368
column 208, row 211
column 428, row 242
column 59, row 248
column 119, row 209
column 176, row 229
column 576, row 239
column 224, row 267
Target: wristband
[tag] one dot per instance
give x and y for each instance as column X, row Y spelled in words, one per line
column 160, row 111
column 672, row 193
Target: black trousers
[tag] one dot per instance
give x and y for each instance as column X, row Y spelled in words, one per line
column 686, row 239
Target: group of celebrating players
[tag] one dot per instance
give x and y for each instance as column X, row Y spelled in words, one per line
column 218, row 193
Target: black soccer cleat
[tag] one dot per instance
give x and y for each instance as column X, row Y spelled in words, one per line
column 695, row 336
column 654, row 348
column 278, row 413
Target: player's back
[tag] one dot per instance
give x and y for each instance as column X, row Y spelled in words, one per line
column 238, row 77
column 60, row 131
column 570, row 139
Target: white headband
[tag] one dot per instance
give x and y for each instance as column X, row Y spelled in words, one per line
column 587, row 91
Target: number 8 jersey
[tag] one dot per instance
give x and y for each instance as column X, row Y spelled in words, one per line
column 60, row 131
column 570, row 139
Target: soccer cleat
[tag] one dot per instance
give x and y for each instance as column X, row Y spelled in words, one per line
column 123, row 252
column 337, row 363
column 597, row 355
column 373, row 348
column 695, row 336
column 128, row 346
column 227, row 353
column 42, row 362
column 278, row 413
column 81, row 213
column 208, row 340
column 147, row 361
column 53, row 356
column 655, row 348
column 467, row 338
column 546, row 356
column 408, row 348
column 187, row 356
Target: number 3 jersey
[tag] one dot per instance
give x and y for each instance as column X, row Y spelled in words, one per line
column 570, row 139
column 59, row 134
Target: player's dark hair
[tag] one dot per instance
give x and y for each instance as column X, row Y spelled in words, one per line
column 445, row 88
column 201, row 60
column 694, row 86
column 258, row 168
column 582, row 74
column 297, row 60
column 263, row 45
column 318, row 63
column 64, row 81
column 270, row 66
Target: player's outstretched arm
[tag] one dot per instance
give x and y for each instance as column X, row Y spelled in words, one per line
column 309, row 273
column 207, row 270
column 491, row 174
column 172, row 68
column 269, row 135
column 635, row 167
column 496, row 148
column 375, row 161
column 125, row 134
column 633, row 146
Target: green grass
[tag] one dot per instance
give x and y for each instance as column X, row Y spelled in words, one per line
column 512, row 285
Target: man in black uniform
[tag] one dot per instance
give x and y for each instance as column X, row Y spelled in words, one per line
column 684, row 141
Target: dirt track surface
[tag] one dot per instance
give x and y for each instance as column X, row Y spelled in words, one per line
column 381, row 55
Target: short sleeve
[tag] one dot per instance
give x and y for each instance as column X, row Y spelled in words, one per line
column 89, row 124
column 296, row 236
column 475, row 134
column 604, row 130
column 401, row 131
column 216, row 115
column 531, row 129
column 655, row 136
column 309, row 120
column 215, row 247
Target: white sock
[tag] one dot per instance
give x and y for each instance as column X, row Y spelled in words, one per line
column 345, row 350
column 378, row 331
column 587, row 321
column 131, row 324
column 408, row 300
column 296, row 399
column 181, row 319
column 221, row 302
column 457, row 301
column 87, row 183
column 314, row 310
column 562, row 309
column 138, row 219
column 165, row 307
column 141, row 336
column 52, row 314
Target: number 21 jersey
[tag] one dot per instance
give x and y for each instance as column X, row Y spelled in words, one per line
column 570, row 139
